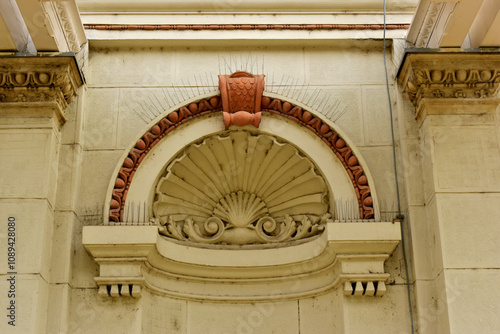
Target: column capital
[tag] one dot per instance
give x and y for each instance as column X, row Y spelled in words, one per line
column 458, row 78
column 38, row 81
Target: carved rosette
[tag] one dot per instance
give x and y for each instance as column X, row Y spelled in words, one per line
column 241, row 188
column 450, row 76
column 241, row 95
column 39, row 79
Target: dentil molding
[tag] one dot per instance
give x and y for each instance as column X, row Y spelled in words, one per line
column 455, row 77
column 38, row 80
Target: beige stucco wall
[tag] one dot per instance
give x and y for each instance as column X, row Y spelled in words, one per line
column 120, row 80
column 449, row 161
column 56, row 180
column 441, row 189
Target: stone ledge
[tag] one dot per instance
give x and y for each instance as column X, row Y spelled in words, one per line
column 350, row 255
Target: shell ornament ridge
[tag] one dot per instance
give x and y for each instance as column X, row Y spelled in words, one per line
column 241, row 188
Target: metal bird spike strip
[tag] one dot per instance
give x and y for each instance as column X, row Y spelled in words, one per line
column 135, row 213
column 157, row 101
column 139, row 213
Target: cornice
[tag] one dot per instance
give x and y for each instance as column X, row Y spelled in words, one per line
column 162, row 27
column 429, row 24
column 39, row 80
column 453, row 77
column 249, row 6
column 71, row 24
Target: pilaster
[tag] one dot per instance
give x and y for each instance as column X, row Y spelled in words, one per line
column 455, row 98
column 34, row 92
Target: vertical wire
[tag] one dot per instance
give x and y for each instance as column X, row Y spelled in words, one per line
column 396, row 176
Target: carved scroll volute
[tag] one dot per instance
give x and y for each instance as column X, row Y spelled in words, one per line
column 241, row 95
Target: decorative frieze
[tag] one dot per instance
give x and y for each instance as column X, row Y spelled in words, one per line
column 431, row 18
column 39, row 79
column 456, row 76
column 260, row 27
column 71, row 24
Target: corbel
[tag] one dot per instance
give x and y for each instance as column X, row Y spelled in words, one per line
column 361, row 250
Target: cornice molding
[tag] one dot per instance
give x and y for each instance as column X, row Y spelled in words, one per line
column 159, row 27
column 45, row 80
column 429, row 24
column 249, row 6
column 71, row 24
column 454, row 77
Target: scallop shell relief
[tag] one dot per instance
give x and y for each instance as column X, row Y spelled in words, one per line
column 239, row 189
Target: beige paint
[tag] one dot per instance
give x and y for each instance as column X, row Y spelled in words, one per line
column 246, row 6
column 58, row 177
column 458, row 141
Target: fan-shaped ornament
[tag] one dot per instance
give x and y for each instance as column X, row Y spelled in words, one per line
column 241, row 188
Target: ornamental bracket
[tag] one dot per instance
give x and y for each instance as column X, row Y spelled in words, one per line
column 121, row 255
column 241, row 94
column 361, row 250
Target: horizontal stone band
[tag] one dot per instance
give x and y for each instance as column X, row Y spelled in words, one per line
column 245, row 26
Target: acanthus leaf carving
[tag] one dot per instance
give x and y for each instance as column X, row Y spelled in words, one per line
column 264, row 230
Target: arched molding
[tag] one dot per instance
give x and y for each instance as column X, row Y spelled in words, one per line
column 152, row 167
column 324, row 129
column 339, row 143
column 151, row 135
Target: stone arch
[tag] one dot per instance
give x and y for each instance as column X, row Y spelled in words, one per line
column 210, row 105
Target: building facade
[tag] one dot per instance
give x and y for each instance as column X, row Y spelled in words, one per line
column 249, row 166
